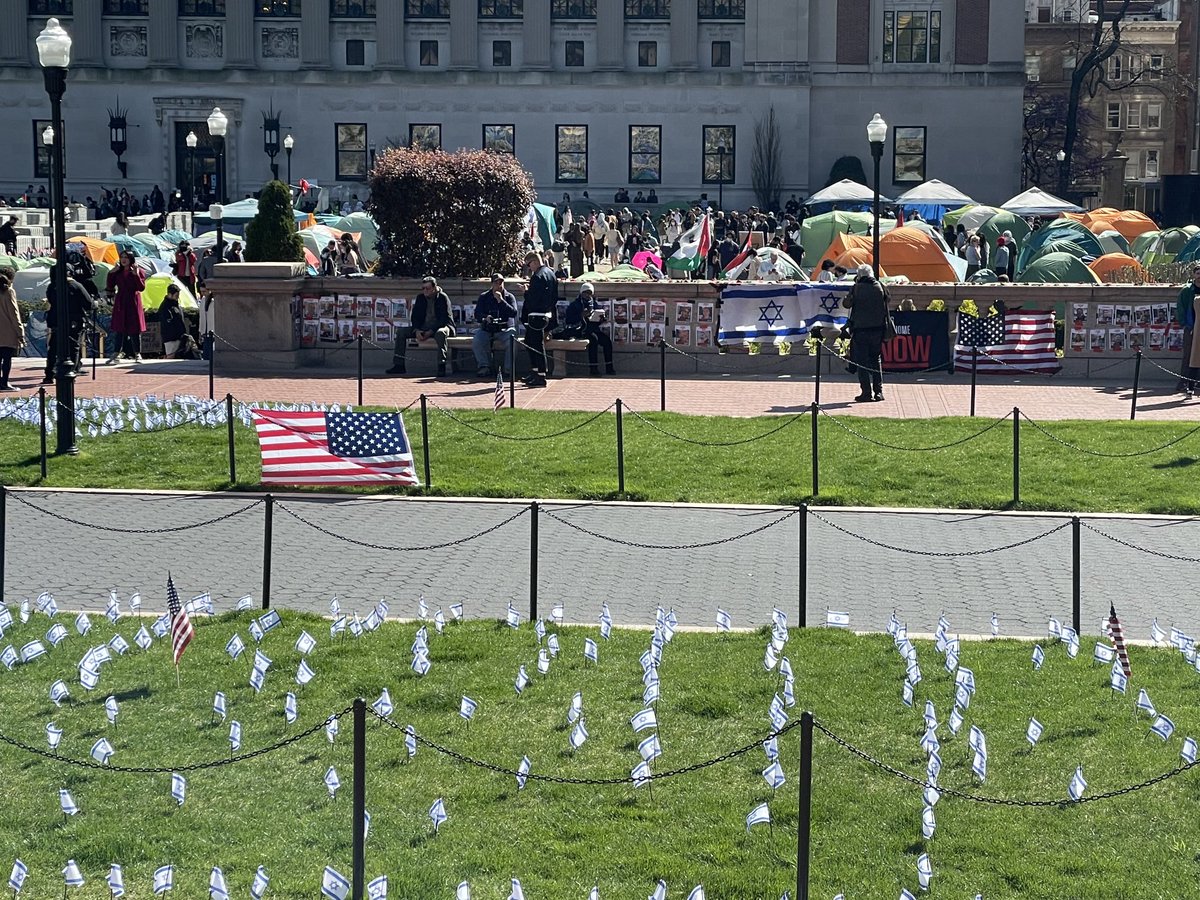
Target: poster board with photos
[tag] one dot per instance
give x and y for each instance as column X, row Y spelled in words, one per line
column 634, row 323
column 1121, row 328
column 341, row 318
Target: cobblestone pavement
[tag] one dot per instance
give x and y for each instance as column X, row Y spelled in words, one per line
column 632, row 556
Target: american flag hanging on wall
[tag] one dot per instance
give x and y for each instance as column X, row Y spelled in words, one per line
column 1009, row 343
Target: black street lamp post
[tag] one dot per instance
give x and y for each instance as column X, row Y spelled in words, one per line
column 288, row 143
column 54, row 54
column 721, row 176
column 877, row 137
column 191, row 140
column 1064, row 173
column 216, row 212
column 218, row 124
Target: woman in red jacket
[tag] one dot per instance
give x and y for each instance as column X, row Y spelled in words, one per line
column 124, row 288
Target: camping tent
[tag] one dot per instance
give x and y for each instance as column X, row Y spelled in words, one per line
column 362, row 224
column 841, row 243
column 1164, row 247
column 1139, row 245
column 1111, row 265
column 1112, row 241
column 854, row 257
column 238, row 213
column 95, row 249
column 845, row 191
column 1036, row 202
column 914, row 254
column 969, row 217
column 998, row 223
column 1059, row 229
column 817, row 232
column 1063, row 245
column 156, row 289
column 620, row 273
column 767, row 261
column 1130, row 223
column 1058, row 268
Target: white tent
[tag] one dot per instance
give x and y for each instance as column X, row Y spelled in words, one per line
column 934, row 193
column 846, row 191
column 1036, row 202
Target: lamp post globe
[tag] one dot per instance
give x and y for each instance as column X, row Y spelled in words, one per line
column 218, row 125
column 876, row 136
column 1064, row 172
column 288, row 143
column 54, row 55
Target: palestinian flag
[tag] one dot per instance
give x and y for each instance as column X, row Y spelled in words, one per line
column 694, row 245
column 741, row 258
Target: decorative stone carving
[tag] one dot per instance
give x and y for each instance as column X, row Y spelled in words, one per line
column 280, row 43
column 127, row 40
column 205, row 41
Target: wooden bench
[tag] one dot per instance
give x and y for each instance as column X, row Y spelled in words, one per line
column 556, row 349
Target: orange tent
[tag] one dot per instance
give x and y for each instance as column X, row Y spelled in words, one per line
column 911, row 252
column 843, row 242
column 858, row 256
column 96, row 250
column 1130, row 223
column 1107, row 266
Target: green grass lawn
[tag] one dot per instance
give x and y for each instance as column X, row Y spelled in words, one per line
column 776, row 469
column 561, row 839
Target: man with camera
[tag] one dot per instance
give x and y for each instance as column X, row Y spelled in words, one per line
column 495, row 313
column 539, row 314
column 585, row 319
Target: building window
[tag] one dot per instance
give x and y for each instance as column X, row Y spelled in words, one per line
column 1033, row 67
column 500, row 9
column 1151, row 163
column 1156, row 67
column 50, row 8
column 356, row 52
column 1116, row 67
column 722, row 9
column 647, row 9
column 282, row 8
column 1068, row 14
column 570, row 153
column 501, row 53
column 574, row 54
column 719, row 156
column 1133, row 115
column 647, row 54
column 1154, row 116
column 912, row 36
column 500, row 138
column 1043, row 12
column 1068, row 66
column 350, row 148
column 573, row 9
column 126, row 7
column 352, row 9
column 1113, row 120
column 201, row 7
column 1133, row 165
column 720, row 55
column 908, row 154
column 425, row 137
column 427, row 9
column 645, row 154
column 429, row 53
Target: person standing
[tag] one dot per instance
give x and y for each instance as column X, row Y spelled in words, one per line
column 79, row 305
column 867, row 301
column 1185, row 314
column 538, row 314
column 124, row 288
column 585, row 319
column 186, row 266
column 8, row 236
column 495, row 313
column 575, row 255
column 12, row 332
column 432, row 318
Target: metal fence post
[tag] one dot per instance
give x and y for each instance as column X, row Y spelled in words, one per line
column 620, row 449
column 1137, row 377
column 359, row 812
column 1016, row 414
column 662, row 376
column 425, row 438
column 212, row 360
column 3, row 532
column 533, row 560
column 813, row 413
column 803, row 561
column 817, row 393
column 974, row 371
column 42, row 423
column 1076, row 574
column 360, row 369
column 512, row 369
column 229, row 432
column 268, row 527
column 803, row 849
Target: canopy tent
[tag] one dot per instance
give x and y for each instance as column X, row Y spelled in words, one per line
column 914, row 254
column 766, row 264
column 934, row 193
column 846, row 191
column 817, row 232
column 1059, row 268
column 1059, row 229
column 1113, row 267
column 96, row 250
column 1036, row 202
column 978, row 212
column 999, row 222
column 156, row 290
column 1112, row 241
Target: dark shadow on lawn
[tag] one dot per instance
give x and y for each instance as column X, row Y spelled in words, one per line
column 1182, row 463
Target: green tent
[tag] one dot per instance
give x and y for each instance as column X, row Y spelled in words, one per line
column 818, row 232
column 1141, row 243
column 545, row 224
column 1062, row 245
column 13, row 262
column 1003, row 221
column 620, row 273
column 1058, row 268
column 1059, row 229
column 362, row 224
column 1166, row 245
column 1113, row 242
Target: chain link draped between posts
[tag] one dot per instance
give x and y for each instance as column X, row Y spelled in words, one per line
column 114, row 529
column 1131, row 546
column 998, row 801
column 510, row 437
column 1090, row 452
column 941, row 554
column 679, row 437
column 349, row 540
column 870, row 440
column 696, row 546
column 168, row 770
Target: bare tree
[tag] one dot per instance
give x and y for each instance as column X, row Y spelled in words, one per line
column 766, row 164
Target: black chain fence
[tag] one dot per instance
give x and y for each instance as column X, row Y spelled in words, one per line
column 694, row 546
column 734, row 443
column 114, row 529
column 524, row 510
column 940, row 554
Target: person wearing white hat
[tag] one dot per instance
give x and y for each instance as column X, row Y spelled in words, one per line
column 585, row 319
column 867, row 301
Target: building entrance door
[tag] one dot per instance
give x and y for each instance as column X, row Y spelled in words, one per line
column 196, row 170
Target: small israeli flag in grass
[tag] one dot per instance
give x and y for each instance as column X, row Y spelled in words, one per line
column 456, row 611
column 1189, row 750
column 552, row 645
column 337, row 626
column 651, row 693
column 89, row 677
column 161, row 625
column 72, row 877
column 929, row 740
column 9, row 657
column 334, row 885
column 235, row 736
column 785, row 667
column 650, row 748
column 995, row 625
column 305, row 644
column 516, row 893
column 331, row 729
column 979, row 765
column 219, row 705
column 410, row 740
column 422, row 609
column 116, row 880
column 773, row 775
column 259, row 886
column 59, row 693
column 523, row 772
column 255, row 630
column 913, row 673
column 543, row 662
column 576, row 708
column 522, row 681
column 118, row 645
column 640, row 774
column 261, row 661
column 372, row 621
column 1034, row 732
column 770, row 658
column 67, row 802
column 777, row 714
column 760, row 815
column 143, row 639
column 590, row 651
column 1144, row 704
column 32, row 651
column 976, row 739
column 82, row 623
column 906, row 894
column 557, row 613
column 1103, row 653
column 437, row 814
column 837, row 619
column 1117, row 680
column 931, row 795
column 383, row 705
column 924, row 870
column 377, row 888
column 594, row 893
column 962, row 697
column 1078, row 785
column 235, row 646
column 771, row 747
column 290, row 713
column 646, row 719
column 304, row 673
column 1157, row 635
column 463, row 891
column 216, row 885
column 1071, row 637
column 1054, row 629
column 24, row 611
column 101, row 751
column 697, row 893
column 53, row 735
column 660, row 891
column 269, row 621
column 579, row 734
column 56, row 634
column 928, row 823
column 513, row 618
column 257, row 678
column 1039, row 657
column 933, row 768
column 439, row 623
column 724, row 621
column 110, row 710
column 467, row 707
column 17, row 879
column 606, row 628
column 906, row 694
column 332, row 782
column 1163, row 727
column 244, row 603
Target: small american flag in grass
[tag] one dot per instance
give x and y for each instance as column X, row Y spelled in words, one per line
column 181, row 625
column 499, row 399
column 1118, row 637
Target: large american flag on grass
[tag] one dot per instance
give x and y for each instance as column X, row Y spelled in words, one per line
column 333, row 448
column 1009, row 343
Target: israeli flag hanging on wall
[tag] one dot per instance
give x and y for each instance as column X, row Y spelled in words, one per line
column 773, row 312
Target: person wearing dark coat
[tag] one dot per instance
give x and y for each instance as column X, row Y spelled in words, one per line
column 79, row 307
column 539, row 315
column 8, row 236
column 124, row 288
column 867, row 301
column 585, row 319
column 432, row 318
